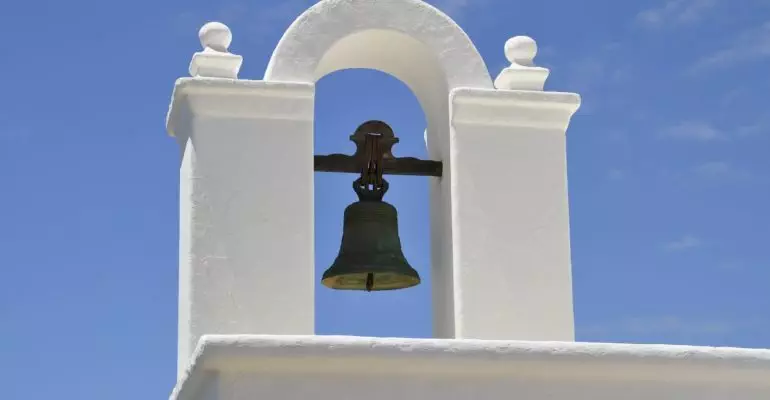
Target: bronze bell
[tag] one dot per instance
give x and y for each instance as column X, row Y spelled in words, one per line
column 370, row 256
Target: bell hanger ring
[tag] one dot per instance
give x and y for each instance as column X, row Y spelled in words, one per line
column 370, row 192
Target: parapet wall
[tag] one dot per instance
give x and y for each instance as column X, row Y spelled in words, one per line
column 232, row 367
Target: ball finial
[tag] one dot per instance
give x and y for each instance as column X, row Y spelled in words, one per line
column 523, row 74
column 215, row 36
column 215, row 61
column 521, row 50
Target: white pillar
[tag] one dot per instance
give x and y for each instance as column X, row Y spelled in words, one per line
column 512, row 277
column 246, row 201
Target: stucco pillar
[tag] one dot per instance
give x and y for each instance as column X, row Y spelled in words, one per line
column 512, row 270
column 246, row 202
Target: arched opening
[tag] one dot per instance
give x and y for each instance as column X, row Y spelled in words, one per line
column 408, row 39
column 431, row 55
column 400, row 56
column 344, row 100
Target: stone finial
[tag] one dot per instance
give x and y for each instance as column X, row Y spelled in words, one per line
column 215, row 61
column 215, row 36
column 523, row 74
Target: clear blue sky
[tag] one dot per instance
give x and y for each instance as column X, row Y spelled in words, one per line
column 668, row 174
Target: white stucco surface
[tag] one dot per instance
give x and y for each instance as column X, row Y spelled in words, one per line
column 303, row 53
column 408, row 39
column 512, row 268
column 322, row 367
column 246, row 208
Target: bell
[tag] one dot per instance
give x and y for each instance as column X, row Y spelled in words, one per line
column 370, row 256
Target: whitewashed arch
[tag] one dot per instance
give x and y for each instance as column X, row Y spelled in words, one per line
column 423, row 48
column 408, row 39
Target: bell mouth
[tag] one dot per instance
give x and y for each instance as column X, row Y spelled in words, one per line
column 379, row 281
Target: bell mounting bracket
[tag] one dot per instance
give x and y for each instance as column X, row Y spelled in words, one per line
column 376, row 136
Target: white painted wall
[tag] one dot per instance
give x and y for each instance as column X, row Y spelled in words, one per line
column 338, row 368
column 246, row 208
column 512, row 263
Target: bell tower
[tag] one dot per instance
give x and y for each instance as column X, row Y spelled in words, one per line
column 500, row 250
column 502, row 287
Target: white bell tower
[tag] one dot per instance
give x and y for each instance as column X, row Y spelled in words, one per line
column 501, row 254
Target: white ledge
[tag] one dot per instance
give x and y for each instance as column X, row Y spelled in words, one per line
column 226, row 85
column 238, row 98
column 441, row 357
column 522, row 108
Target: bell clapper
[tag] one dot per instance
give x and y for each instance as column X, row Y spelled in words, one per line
column 371, row 185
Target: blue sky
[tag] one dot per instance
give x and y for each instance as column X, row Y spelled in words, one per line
column 668, row 175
